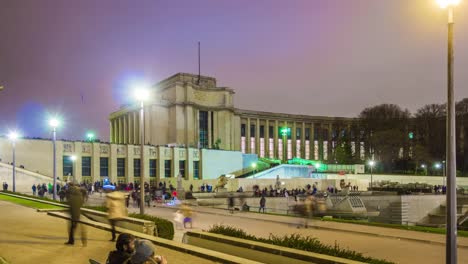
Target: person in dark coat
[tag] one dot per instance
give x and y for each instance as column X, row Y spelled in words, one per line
column 75, row 201
column 262, row 204
column 125, row 249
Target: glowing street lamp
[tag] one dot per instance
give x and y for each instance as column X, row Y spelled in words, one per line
column 424, row 167
column 13, row 136
column 90, row 136
column 451, row 235
column 54, row 123
column 371, row 165
column 141, row 94
column 317, row 166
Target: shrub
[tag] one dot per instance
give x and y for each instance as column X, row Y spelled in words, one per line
column 165, row 227
column 96, row 208
column 296, row 241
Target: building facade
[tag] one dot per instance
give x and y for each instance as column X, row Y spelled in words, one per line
column 188, row 110
column 96, row 161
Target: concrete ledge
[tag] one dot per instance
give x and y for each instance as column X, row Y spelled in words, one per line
column 189, row 249
column 256, row 250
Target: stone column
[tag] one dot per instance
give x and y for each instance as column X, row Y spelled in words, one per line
column 267, row 138
column 125, row 124
column 120, row 131
column 257, row 137
column 285, row 143
column 293, row 139
column 248, row 149
column 312, row 141
column 303, row 146
column 275, row 140
column 330, row 139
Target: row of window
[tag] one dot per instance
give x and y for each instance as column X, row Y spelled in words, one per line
column 104, row 167
column 318, row 132
column 316, row 148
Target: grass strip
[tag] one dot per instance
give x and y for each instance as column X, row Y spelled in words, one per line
column 425, row 229
column 28, row 203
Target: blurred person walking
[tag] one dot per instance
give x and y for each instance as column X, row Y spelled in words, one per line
column 75, row 201
column 116, row 210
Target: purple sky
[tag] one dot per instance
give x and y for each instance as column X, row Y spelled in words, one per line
column 315, row 57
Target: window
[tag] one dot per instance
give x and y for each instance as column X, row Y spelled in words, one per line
column 262, row 131
column 298, row 132
column 120, row 167
column 307, row 133
column 86, row 166
column 325, row 150
column 104, row 167
column 136, row 168
column 262, row 147
column 242, row 130
column 203, row 128
column 167, row 168
column 252, row 145
column 271, row 134
column 152, row 167
column 307, row 149
column 67, row 166
column 182, row 168
column 280, row 148
column 298, row 148
column 316, row 150
column 196, row 169
column 243, row 144
column 252, row 130
column 289, row 149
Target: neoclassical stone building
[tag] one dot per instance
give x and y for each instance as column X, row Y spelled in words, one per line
column 192, row 111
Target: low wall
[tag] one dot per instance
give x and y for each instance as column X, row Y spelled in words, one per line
column 138, row 225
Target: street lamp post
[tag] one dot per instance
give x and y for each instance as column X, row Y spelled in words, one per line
column 371, row 164
column 451, row 235
column 13, row 136
column 54, row 124
column 141, row 94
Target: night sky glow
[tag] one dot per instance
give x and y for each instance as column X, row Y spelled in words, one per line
column 315, row 57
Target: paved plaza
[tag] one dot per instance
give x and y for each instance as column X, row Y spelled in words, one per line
column 25, row 230
column 399, row 246
column 31, row 237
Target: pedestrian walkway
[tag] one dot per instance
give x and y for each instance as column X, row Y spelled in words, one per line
column 394, row 233
column 31, row 237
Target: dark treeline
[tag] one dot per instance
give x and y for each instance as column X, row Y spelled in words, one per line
column 402, row 142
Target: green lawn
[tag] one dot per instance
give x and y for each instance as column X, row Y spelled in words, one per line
column 433, row 230
column 28, row 203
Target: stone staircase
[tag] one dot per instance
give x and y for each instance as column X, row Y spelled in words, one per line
column 438, row 218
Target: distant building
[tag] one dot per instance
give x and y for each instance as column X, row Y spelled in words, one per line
column 184, row 110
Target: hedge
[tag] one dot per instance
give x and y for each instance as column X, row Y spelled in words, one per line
column 296, row 241
column 165, row 227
